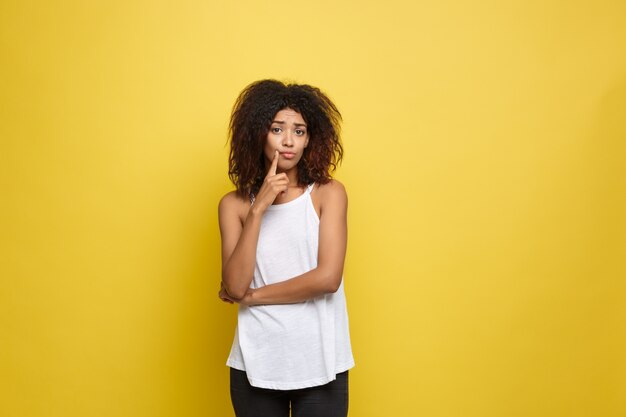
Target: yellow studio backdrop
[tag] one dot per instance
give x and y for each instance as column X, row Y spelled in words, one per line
column 485, row 165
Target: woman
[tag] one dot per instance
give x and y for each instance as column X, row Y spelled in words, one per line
column 284, row 234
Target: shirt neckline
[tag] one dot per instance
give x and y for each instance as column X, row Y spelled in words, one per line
column 307, row 191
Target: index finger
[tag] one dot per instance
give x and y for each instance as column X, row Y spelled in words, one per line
column 272, row 170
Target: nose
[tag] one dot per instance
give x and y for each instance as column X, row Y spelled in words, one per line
column 288, row 138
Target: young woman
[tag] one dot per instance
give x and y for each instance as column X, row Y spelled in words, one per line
column 284, row 239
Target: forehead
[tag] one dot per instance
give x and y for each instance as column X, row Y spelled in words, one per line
column 289, row 115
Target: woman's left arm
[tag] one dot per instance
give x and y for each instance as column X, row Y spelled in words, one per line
column 326, row 277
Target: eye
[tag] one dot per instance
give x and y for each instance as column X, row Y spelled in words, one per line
column 276, row 130
column 300, row 132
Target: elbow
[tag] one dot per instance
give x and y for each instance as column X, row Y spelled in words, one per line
column 333, row 282
column 237, row 294
column 233, row 290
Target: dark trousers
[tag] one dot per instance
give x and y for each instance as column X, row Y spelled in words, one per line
column 329, row 400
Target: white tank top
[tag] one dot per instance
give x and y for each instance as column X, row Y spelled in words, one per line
column 291, row 346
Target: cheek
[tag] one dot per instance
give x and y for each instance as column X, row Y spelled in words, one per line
column 269, row 145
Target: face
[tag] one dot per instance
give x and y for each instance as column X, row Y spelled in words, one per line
column 289, row 135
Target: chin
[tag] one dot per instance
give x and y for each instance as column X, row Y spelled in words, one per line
column 286, row 167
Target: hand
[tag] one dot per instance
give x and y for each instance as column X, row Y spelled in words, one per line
column 273, row 185
column 248, row 299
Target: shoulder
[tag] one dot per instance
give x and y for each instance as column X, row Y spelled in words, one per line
column 333, row 188
column 232, row 203
column 332, row 193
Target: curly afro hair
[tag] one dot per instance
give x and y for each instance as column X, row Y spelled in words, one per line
column 250, row 120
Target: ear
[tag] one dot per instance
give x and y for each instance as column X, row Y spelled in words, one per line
column 306, row 142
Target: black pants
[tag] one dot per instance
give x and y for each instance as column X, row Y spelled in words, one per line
column 329, row 400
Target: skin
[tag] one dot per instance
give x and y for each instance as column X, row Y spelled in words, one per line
column 240, row 224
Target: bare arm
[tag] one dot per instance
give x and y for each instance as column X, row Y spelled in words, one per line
column 239, row 242
column 238, row 246
column 326, row 277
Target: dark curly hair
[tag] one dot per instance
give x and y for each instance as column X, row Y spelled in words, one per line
column 250, row 121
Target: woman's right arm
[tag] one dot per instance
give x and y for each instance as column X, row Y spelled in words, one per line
column 239, row 240
column 238, row 245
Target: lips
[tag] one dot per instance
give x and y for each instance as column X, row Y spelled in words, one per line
column 287, row 155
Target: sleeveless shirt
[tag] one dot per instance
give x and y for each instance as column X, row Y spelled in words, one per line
column 299, row 345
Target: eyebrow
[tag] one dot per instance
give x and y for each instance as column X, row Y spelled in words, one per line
column 282, row 122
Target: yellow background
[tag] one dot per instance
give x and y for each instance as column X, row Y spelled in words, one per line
column 486, row 171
